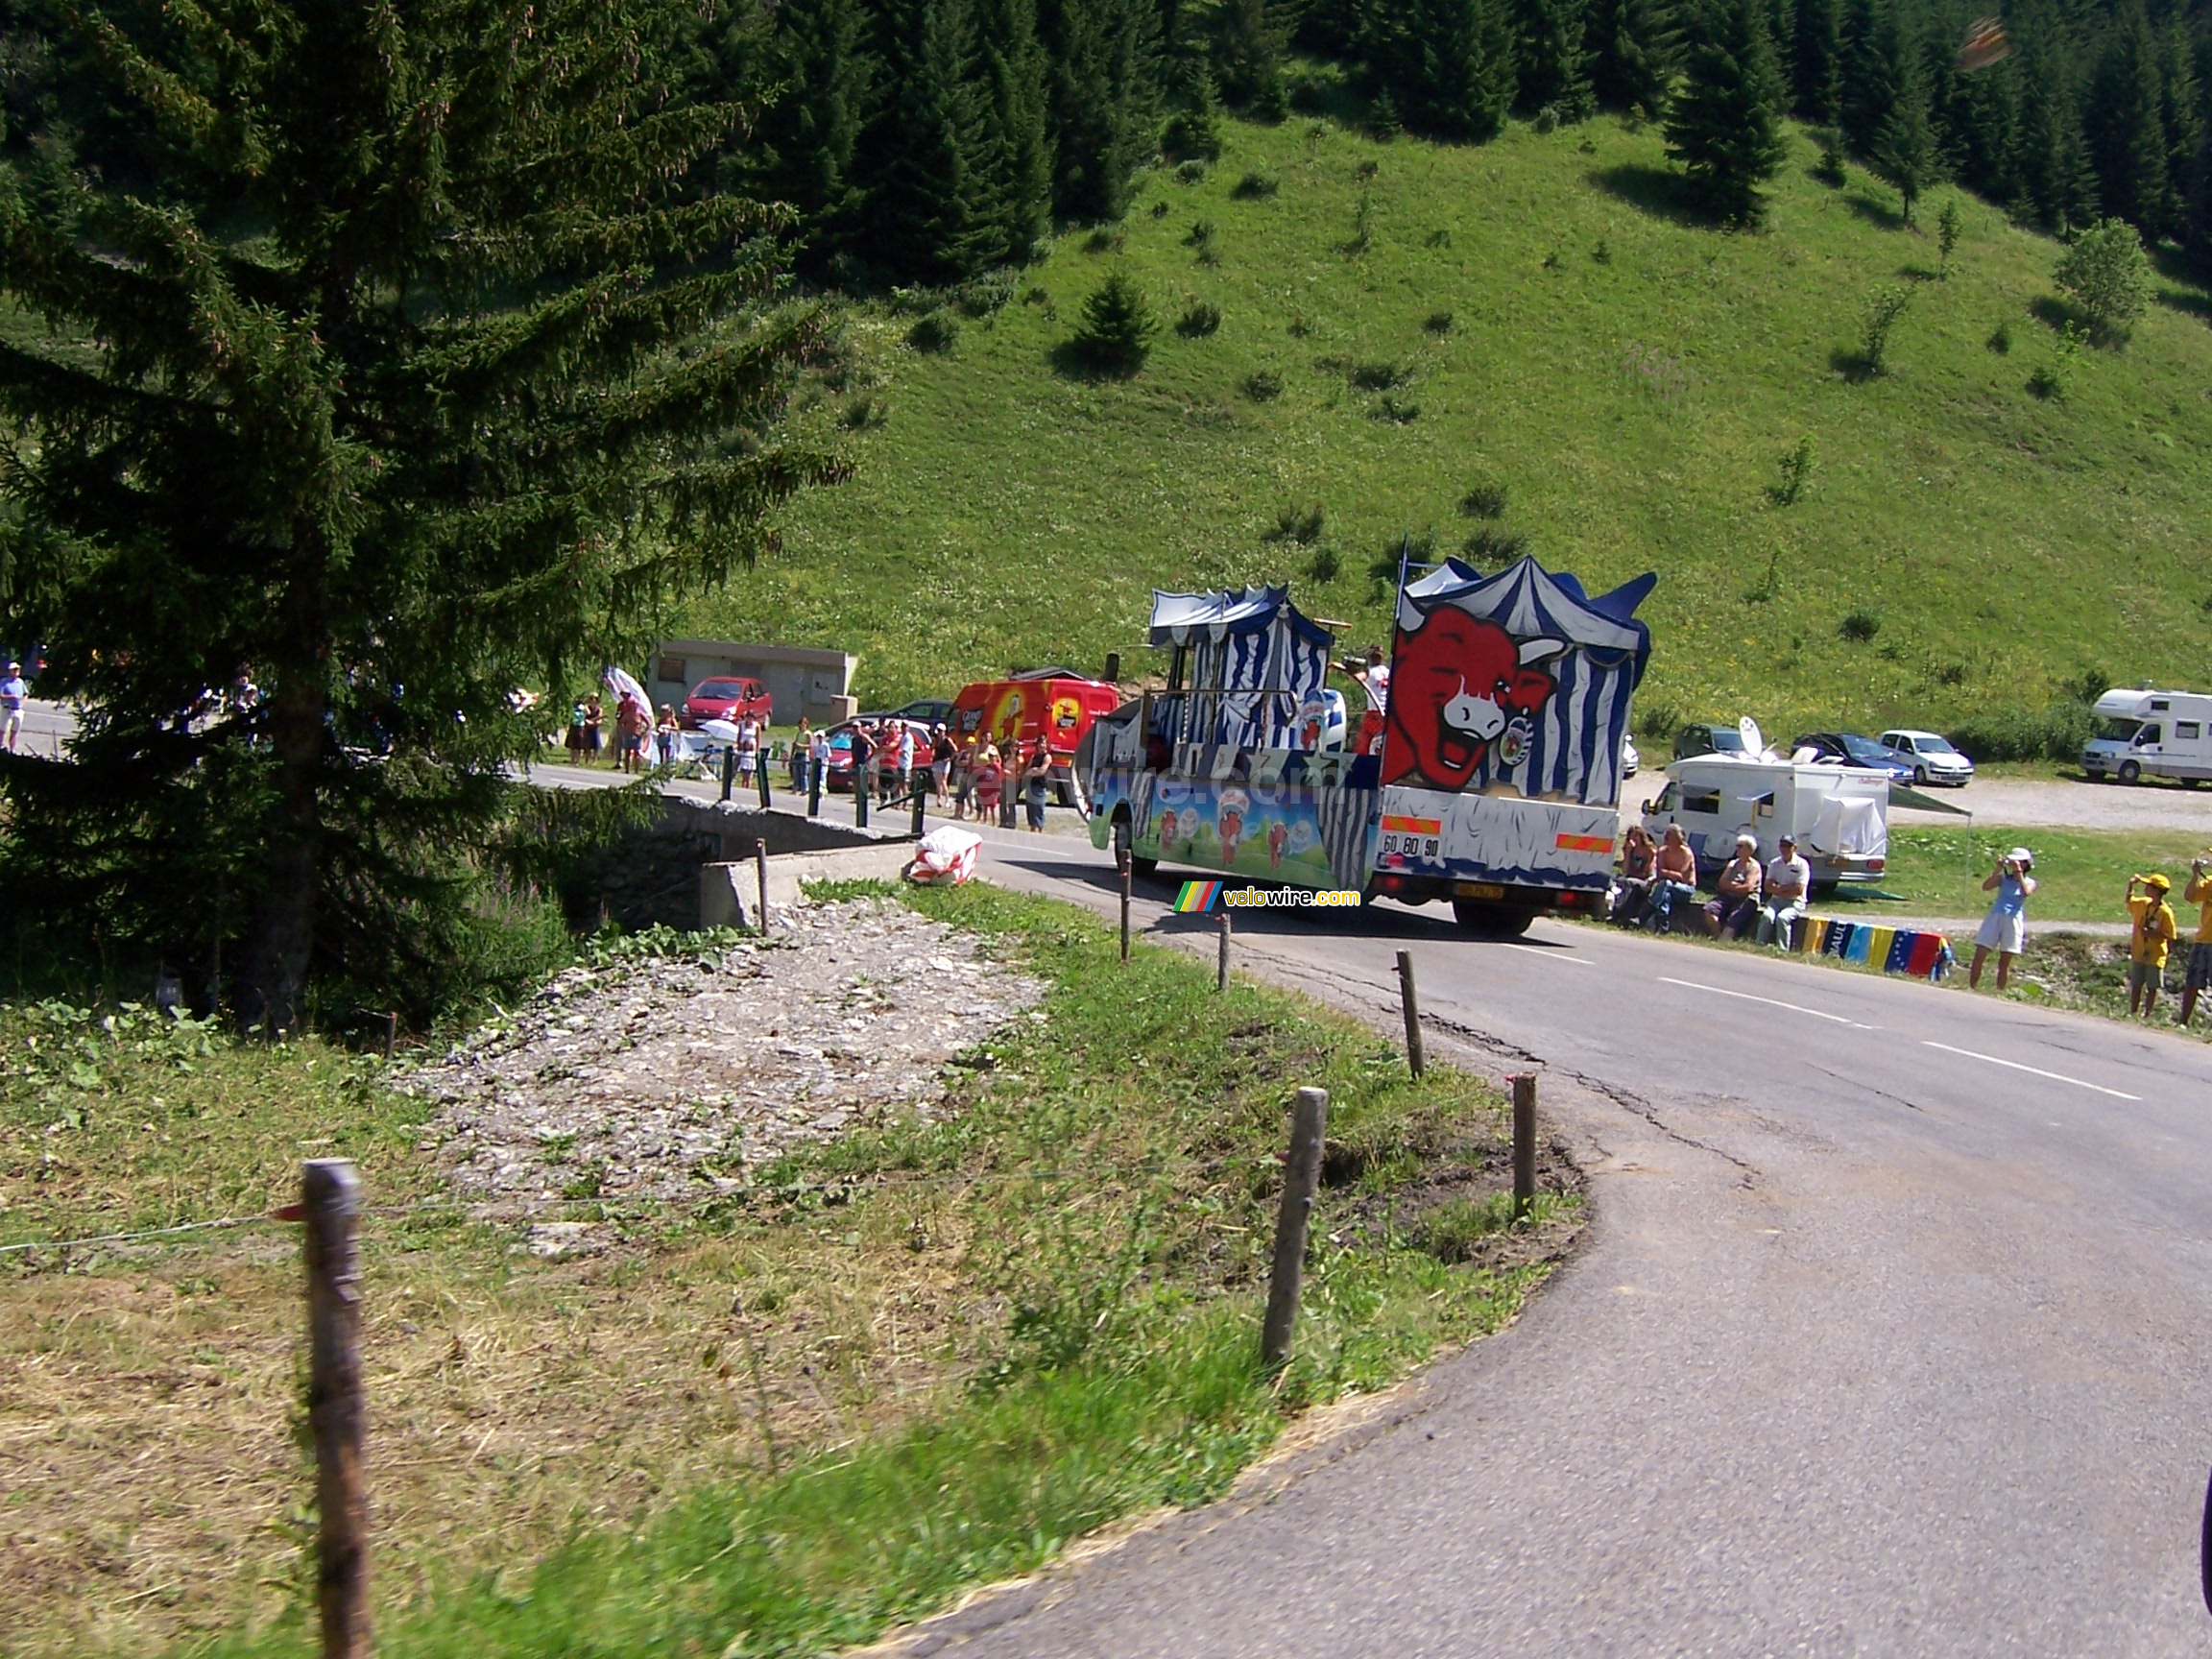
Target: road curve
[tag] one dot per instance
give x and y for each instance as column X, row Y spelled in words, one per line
column 1891, row 1338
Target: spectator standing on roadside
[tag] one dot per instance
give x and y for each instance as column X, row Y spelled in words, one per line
column 595, row 734
column 1782, row 906
column 629, row 726
column 576, row 735
column 2198, row 892
column 2153, row 934
column 941, row 757
column 818, row 759
column 13, row 692
column 989, row 779
column 1736, row 906
column 748, row 746
column 867, row 760
column 905, row 785
column 665, row 732
column 2004, row 929
column 964, row 778
column 1037, row 779
column 1678, row 882
column 801, row 751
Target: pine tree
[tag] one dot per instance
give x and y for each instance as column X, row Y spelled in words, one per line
column 2125, row 126
column 1817, row 70
column 932, row 202
column 1118, row 328
column 1873, row 44
column 1725, row 123
column 2050, row 159
column 1014, row 125
column 1248, row 56
column 1445, row 66
column 810, row 135
column 1631, row 45
column 355, row 387
column 1555, row 69
column 2181, row 116
column 1905, row 152
column 1974, row 117
column 1102, row 100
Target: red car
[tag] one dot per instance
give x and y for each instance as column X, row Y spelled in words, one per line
column 727, row 699
column 837, row 773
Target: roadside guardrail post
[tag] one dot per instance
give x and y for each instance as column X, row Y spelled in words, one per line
column 1410, row 1001
column 1301, row 1180
column 337, row 1406
column 1524, row 1142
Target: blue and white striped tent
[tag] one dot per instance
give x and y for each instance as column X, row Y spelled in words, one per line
column 1575, row 749
column 1254, row 660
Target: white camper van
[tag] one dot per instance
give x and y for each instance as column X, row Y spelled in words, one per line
column 1840, row 817
column 2152, row 735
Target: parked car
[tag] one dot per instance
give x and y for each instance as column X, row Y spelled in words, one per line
column 1631, row 762
column 1700, row 739
column 930, row 710
column 1857, row 752
column 726, row 698
column 837, row 773
column 1933, row 760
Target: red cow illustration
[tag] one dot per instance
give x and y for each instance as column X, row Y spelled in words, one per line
column 1457, row 683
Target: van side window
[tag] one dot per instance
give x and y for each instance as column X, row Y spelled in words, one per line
column 1704, row 801
column 2184, row 730
column 1667, row 801
column 2148, row 734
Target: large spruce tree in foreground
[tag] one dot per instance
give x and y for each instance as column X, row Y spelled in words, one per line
column 1725, row 123
column 386, row 355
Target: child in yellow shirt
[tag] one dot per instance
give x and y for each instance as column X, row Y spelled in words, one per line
column 2198, row 892
column 2154, row 931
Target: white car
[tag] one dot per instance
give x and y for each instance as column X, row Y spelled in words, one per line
column 1933, row 760
column 1631, row 762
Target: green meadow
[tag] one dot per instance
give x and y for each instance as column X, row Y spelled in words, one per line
column 1539, row 315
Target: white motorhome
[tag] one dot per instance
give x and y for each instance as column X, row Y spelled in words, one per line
column 1840, row 818
column 2152, row 735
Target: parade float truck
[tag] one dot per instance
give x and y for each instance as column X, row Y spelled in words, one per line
column 1494, row 781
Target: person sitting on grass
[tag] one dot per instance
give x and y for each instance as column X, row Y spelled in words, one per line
column 1789, row 880
column 1678, row 882
column 2149, row 940
column 1737, row 906
column 2004, row 929
column 1639, row 864
column 2198, row 892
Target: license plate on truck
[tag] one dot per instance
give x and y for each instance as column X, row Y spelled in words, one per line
column 1478, row 890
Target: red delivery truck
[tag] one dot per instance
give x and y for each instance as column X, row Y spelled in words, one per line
column 1054, row 704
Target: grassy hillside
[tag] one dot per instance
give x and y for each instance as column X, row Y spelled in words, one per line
column 1630, row 377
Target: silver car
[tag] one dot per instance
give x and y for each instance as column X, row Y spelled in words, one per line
column 1933, row 760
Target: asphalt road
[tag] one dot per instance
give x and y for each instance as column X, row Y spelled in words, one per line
column 1891, row 1337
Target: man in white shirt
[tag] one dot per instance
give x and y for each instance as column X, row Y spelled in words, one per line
column 12, row 691
column 1788, row 885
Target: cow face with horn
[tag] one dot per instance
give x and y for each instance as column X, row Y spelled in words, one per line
column 1459, row 681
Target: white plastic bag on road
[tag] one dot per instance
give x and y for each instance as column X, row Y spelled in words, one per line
column 945, row 857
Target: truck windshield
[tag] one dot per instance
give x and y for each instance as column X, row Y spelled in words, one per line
column 2121, row 730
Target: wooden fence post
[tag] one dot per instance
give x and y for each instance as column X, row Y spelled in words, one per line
column 337, row 1409
column 1123, row 862
column 1301, row 1180
column 1416, row 1062
column 1523, row 1144
column 1221, row 969
column 760, row 871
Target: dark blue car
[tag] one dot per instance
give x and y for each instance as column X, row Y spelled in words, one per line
column 1858, row 752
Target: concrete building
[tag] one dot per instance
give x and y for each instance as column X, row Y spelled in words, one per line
column 801, row 680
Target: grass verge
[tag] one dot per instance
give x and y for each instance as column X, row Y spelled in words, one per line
column 2082, row 876
column 770, row 1424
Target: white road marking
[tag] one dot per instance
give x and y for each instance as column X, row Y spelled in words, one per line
column 1549, row 953
column 2034, row 1070
column 1746, row 997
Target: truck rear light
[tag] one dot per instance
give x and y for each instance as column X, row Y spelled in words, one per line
column 1389, row 884
column 1875, row 865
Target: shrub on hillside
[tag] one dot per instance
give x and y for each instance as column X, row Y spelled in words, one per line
column 1302, row 525
column 933, row 335
column 1861, row 626
column 1190, row 135
column 1398, row 411
column 2017, row 732
column 2108, row 275
column 1117, row 327
column 1495, row 545
column 1199, row 320
column 1325, row 565
column 1438, row 323
column 1254, row 186
column 1486, row 500
column 1263, row 385
column 1378, row 376
column 1190, row 172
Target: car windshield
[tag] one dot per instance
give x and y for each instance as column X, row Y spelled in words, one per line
column 2121, row 730
column 720, row 688
column 1932, row 746
column 1727, row 738
column 1864, row 749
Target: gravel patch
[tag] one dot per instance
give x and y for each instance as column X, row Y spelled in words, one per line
column 662, row 1079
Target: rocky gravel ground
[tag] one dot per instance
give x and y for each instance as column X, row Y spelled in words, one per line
column 664, row 1078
